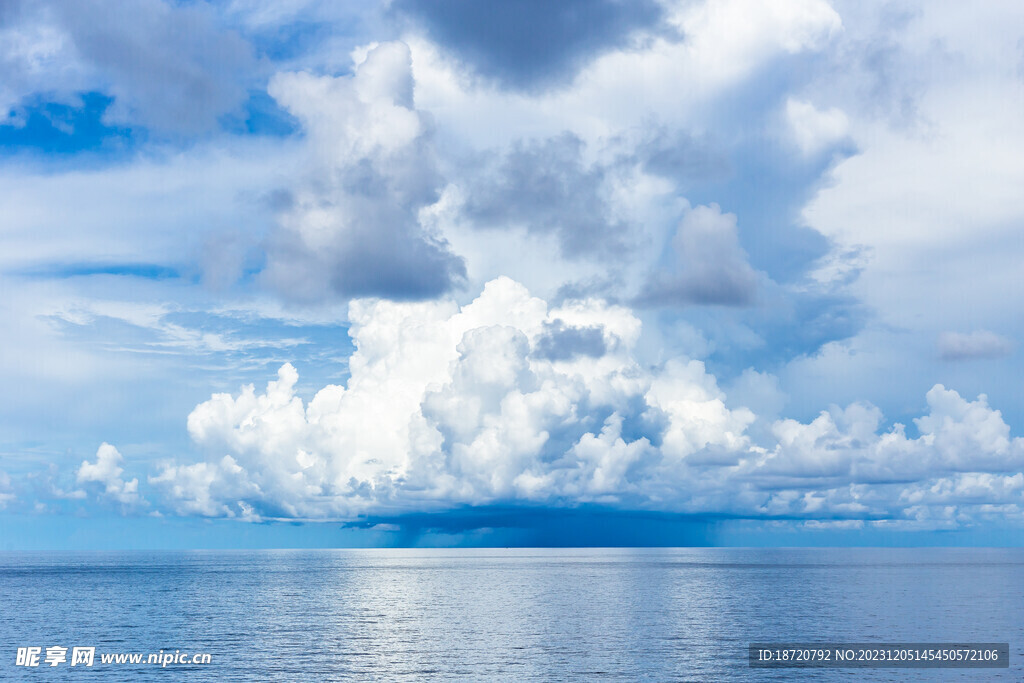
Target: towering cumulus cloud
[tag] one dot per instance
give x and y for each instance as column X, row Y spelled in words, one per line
column 351, row 227
column 503, row 399
column 509, row 399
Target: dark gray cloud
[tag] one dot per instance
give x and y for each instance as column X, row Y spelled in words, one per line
column 169, row 67
column 351, row 228
column 377, row 246
column 681, row 157
column 545, row 187
column 539, row 527
column 384, row 253
column 708, row 267
column 526, row 44
column 706, row 287
column 563, row 342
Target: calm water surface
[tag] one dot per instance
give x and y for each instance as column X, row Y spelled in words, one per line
column 503, row 615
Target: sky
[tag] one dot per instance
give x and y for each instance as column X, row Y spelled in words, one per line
column 408, row 272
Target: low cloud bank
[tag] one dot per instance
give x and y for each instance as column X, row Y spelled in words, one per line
column 508, row 400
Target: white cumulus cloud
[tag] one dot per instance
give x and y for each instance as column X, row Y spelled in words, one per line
column 107, row 471
column 450, row 405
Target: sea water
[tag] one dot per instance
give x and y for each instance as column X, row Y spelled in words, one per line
column 500, row 614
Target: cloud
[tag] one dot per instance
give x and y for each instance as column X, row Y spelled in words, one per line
column 450, row 406
column 885, row 62
column 32, row 49
column 929, row 197
column 7, row 495
column 208, row 489
column 658, row 79
column 678, row 155
column 107, row 472
column 814, row 129
column 352, row 227
column 575, row 184
column 980, row 488
column 169, row 67
column 734, row 36
column 547, row 188
column 978, row 344
column 709, row 265
column 528, row 44
column 846, row 445
column 539, row 527
column 562, row 342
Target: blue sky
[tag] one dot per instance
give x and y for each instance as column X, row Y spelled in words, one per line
column 309, row 273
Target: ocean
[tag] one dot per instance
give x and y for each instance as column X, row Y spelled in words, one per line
column 498, row 614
